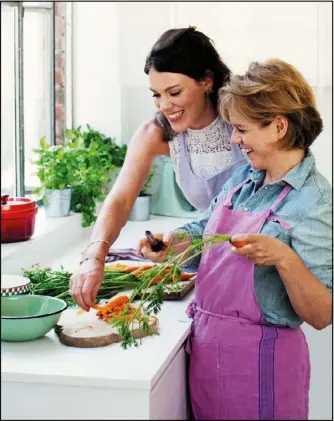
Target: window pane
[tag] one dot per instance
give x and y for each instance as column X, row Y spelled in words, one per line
column 7, row 99
column 37, row 4
column 37, row 86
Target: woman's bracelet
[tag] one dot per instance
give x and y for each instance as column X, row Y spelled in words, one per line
column 97, row 241
column 91, row 257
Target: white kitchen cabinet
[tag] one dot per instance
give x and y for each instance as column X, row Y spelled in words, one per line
column 44, row 379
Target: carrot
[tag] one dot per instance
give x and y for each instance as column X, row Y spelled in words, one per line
column 123, row 299
column 186, row 276
column 118, row 267
column 156, row 280
column 108, row 314
column 239, row 244
column 130, row 269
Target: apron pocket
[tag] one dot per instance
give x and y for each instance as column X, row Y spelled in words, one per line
column 204, row 379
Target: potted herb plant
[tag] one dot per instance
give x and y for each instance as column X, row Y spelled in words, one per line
column 56, row 172
column 142, row 207
column 111, row 156
column 98, row 159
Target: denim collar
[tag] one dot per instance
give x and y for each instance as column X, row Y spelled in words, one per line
column 296, row 177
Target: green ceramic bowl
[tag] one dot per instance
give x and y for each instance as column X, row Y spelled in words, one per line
column 28, row 317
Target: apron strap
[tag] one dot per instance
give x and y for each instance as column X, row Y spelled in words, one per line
column 280, row 197
column 183, row 145
column 228, row 199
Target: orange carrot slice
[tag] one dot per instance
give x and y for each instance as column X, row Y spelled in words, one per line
column 186, row 276
column 123, row 299
column 239, row 244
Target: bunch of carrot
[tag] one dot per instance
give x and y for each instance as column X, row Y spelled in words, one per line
column 117, row 278
column 153, row 278
column 115, row 308
column 168, row 269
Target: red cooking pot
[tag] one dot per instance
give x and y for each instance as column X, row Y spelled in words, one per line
column 18, row 217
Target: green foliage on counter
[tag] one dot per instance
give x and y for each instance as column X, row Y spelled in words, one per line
column 55, row 283
column 85, row 164
column 55, row 167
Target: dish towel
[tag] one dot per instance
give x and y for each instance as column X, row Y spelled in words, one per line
column 124, row 254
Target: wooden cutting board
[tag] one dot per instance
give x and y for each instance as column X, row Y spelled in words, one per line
column 87, row 331
column 184, row 288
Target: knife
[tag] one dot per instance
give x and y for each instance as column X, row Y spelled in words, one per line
column 156, row 245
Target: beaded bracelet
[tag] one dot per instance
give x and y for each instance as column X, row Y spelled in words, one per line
column 97, row 241
column 91, row 257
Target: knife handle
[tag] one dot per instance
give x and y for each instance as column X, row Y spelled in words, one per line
column 156, row 245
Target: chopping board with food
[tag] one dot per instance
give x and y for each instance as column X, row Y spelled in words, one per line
column 78, row 328
column 175, row 288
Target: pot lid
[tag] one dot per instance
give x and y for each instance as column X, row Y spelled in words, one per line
column 16, row 204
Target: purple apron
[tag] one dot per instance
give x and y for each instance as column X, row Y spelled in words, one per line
column 200, row 192
column 241, row 367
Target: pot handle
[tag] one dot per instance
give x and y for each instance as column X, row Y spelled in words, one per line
column 4, row 199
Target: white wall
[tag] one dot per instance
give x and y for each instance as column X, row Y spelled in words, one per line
column 96, row 83
column 112, row 39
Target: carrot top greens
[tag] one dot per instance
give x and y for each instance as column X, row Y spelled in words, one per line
column 146, row 282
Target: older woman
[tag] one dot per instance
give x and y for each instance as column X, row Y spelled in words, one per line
column 249, row 357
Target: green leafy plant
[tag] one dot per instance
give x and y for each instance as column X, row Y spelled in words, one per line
column 85, row 164
column 56, row 167
column 97, row 162
column 110, row 154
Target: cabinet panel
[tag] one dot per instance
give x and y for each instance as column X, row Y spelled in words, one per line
column 168, row 400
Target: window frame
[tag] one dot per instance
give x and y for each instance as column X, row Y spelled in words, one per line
column 20, row 189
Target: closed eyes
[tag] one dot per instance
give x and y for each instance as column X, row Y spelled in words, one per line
column 172, row 94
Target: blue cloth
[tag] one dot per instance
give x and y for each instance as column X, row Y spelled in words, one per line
column 307, row 209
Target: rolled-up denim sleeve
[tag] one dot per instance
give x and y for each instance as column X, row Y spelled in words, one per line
column 312, row 240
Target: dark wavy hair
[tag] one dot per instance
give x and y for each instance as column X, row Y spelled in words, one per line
column 191, row 53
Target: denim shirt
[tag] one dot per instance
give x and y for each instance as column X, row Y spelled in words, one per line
column 307, row 209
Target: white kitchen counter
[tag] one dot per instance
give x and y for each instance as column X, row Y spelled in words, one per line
column 44, row 379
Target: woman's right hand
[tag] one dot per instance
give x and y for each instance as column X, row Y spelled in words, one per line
column 86, row 282
column 170, row 240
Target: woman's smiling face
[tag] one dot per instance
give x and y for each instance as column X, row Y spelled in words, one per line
column 260, row 144
column 182, row 99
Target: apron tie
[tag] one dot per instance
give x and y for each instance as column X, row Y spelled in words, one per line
column 193, row 308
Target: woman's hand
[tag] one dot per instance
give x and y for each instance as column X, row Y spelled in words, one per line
column 86, row 282
column 261, row 249
column 170, row 240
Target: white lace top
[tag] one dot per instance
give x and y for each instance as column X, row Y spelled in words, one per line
column 209, row 150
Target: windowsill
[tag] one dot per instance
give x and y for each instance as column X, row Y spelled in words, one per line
column 51, row 236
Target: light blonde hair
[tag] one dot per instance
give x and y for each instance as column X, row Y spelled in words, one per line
column 274, row 88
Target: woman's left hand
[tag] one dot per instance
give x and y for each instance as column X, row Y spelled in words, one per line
column 261, row 249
